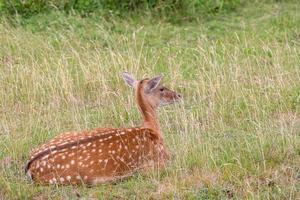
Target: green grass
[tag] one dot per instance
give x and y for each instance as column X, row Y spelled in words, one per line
column 235, row 135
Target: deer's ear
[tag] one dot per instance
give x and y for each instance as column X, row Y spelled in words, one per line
column 153, row 83
column 129, row 79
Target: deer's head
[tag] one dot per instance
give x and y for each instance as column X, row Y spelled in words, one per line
column 151, row 91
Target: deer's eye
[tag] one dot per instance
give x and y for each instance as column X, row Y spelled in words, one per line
column 161, row 89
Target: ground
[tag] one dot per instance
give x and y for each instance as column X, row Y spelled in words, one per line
column 236, row 135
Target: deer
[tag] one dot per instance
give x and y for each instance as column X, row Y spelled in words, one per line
column 105, row 155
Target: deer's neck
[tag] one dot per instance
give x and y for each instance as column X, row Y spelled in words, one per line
column 148, row 112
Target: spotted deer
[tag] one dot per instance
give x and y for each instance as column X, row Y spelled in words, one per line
column 106, row 154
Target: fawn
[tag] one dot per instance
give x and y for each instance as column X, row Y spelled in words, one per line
column 106, row 154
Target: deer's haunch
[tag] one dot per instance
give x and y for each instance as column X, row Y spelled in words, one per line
column 106, row 154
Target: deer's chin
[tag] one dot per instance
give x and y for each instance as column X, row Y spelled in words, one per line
column 165, row 103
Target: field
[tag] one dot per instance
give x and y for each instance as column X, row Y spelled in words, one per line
column 236, row 134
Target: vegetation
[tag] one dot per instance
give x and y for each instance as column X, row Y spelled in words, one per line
column 236, row 135
column 190, row 8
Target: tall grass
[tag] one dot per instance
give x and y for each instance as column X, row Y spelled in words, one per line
column 235, row 135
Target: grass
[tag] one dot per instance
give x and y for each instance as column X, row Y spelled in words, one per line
column 235, row 136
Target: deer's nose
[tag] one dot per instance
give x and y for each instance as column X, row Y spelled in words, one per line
column 179, row 96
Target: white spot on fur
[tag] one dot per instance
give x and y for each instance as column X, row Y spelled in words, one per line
column 68, row 178
column 71, row 154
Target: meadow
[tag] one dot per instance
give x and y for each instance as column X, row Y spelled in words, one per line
column 235, row 135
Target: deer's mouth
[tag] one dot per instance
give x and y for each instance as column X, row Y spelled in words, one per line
column 168, row 102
